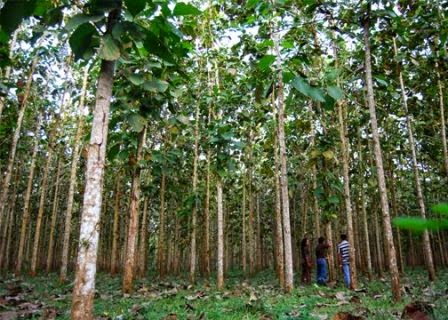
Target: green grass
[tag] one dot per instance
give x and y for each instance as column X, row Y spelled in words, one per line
column 257, row 298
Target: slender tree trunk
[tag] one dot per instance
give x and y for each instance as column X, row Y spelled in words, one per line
column 250, row 229
column 389, row 241
column 26, row 205
column 143, row 240
column 115, row 254
column 195, row 206
column 8, row 69
column 279, row 248
column 84, row 288
column 368, row 255
column 243, row 224
column 73, row 180
column 348, row 202
column 161, row 245
column 12, row 152
column 53, row 218
column 220, row 245
column 280, row 252
column 207, row 220
column 134, row 207
column 316, row 208
column 7, row 251
column 421, row 202
column 43, row 197
column 289, row 276
column 259, row 242
column 4, row 234
column 442, row 120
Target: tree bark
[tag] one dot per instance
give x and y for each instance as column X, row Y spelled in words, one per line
column 279, row 248
column 195, row 205
column 243, row 224
column 421, row 202
column 220, row 245
column 343, row 134
column 73, row 179
column 161, row 261
column 389, row 241
column 289, row 276
column 143, row 240
column 8, row 69
column 12, row 152
column 53, row 218
column 116, row 227
column 134, row 207
column 43, row 197
column 26, row 204
column 84, row 288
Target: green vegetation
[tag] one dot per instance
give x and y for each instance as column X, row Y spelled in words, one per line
column 258, row 298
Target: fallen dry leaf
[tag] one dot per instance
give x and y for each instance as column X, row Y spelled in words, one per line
column 418, row 311
column 347, row 316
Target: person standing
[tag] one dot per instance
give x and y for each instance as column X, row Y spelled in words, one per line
column 306, row 260
column 321, row 261
column 344, row 258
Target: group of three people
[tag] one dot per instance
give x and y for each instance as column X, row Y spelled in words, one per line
column 321, row 260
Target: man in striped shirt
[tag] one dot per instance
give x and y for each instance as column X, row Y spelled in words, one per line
column 344, row 259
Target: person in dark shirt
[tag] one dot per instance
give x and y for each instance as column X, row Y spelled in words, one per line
column 321, row 261
column 306, row 260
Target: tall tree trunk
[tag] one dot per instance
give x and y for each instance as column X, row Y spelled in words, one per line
column 161, row 261
column 42, row 202
column 279, row 248
column 365, row 224
column 26, row 204
column 421, row 202
column 84, row 288
column 259, row 241
column 134, row 207
column 12, row 152
column 115, row 254
column 195, row 205
column 389, row 241
column 243, row 224
column 442, row 120
column 316, row 208
column 289, row 276
column 220, row 244
column 207, row 220
column 143, row 240
column 250, row 226
column 8, row 69
column 73, row 179
column 53, row 218
column 343, row 134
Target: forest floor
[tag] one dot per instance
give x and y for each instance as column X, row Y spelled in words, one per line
column 43, row 297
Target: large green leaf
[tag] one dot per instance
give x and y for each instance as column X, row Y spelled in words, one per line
column 136, row 79
column 155, row 85
column 79, row 19
column 84, row 41
column 109, row 49
column 335, row 92
column 135, row 6
column 266, row 62
column 303, row 87
column 137, row 122
column 185, row 9
column 13, row 12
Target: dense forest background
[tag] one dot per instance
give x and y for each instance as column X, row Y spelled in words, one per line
column 152, row 139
